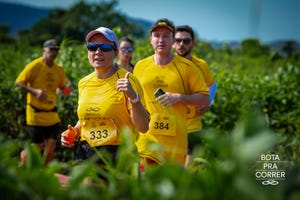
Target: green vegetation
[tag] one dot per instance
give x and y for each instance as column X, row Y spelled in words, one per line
column 255, row 112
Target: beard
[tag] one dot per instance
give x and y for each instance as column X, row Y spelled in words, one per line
column 184, row 53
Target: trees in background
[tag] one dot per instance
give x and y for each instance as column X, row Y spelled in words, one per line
column 76, row 22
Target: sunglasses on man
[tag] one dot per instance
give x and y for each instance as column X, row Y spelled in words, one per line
column 54, row 49
column 184, row 40
column 103, row 47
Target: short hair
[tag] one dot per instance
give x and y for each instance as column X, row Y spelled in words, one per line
column 185, row 28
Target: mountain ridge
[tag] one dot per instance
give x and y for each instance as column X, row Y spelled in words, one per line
column 23, row 20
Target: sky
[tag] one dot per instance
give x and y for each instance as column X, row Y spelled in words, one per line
column 212, row 20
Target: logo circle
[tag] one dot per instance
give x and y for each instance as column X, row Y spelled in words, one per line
column 270, row 182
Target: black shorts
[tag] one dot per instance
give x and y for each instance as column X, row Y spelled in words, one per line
column 85, row 151
column 194, row 139
column 38, row 134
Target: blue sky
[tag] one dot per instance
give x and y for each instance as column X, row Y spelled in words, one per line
column 221, row 20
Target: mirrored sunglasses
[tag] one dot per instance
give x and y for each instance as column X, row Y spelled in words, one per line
column 185, row 40
column 102, row 47
column 130, row 49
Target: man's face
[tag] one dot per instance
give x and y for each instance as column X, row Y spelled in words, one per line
column 162, row 40
column 183, row 44
column 50, row 53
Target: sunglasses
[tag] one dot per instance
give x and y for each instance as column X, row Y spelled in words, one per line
column 185, row 40
column 102, row 47
column 130, row 49
column 54, row 49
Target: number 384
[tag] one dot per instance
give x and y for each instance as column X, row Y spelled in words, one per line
column 161, row 125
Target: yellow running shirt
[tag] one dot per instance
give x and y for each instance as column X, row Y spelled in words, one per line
column 168, row 125
column 102, row 110
column 38, row 75
column 195, row 123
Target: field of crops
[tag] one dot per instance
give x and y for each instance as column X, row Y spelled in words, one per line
column 251, row 132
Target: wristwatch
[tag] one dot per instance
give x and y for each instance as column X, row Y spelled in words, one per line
column 137, row 99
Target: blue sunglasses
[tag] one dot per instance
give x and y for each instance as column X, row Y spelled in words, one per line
column 102, row 47
column 126, row 49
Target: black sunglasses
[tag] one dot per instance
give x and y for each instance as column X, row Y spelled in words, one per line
column 185, row 40
column 102, row 47
column 54, row 49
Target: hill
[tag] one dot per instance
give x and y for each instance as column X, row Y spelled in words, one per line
column 27, row 16
column 19, row 17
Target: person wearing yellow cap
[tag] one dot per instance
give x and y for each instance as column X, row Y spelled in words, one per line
column 170, row 83
column 110, row 100
column 40, row 79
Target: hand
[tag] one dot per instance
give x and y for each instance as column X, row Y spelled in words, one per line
column 67, row 89
column 124, row 85
column 68, row 137
column 168, row 99
column 40, row 94
column 200, row 110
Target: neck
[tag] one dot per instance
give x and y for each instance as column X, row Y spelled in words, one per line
column 105, row 72
column 189, row 56
column 123, row 63
column 163, row 59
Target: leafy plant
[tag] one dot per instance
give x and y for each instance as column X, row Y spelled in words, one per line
column 255, row 111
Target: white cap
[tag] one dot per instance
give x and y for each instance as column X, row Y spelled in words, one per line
column 109, row 34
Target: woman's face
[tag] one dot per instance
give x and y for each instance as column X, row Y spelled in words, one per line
column 125, row 50
column 100, row 59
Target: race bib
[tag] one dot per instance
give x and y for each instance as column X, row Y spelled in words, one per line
column 162, row 124
column 99, row 132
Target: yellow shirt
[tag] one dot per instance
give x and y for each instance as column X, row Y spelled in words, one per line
column 203, row 66
column 194, row 122
column 166, row 139
column 38, row 75
column 102, row 110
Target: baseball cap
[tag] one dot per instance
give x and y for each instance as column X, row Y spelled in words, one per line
column 109, row 34
column 52, row 43
column 163, row 23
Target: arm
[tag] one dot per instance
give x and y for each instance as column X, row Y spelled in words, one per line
column 197, row 99
column 200, row 110
column 38, row 93
column 139, row 115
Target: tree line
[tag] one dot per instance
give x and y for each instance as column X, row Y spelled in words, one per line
column 74, row 23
